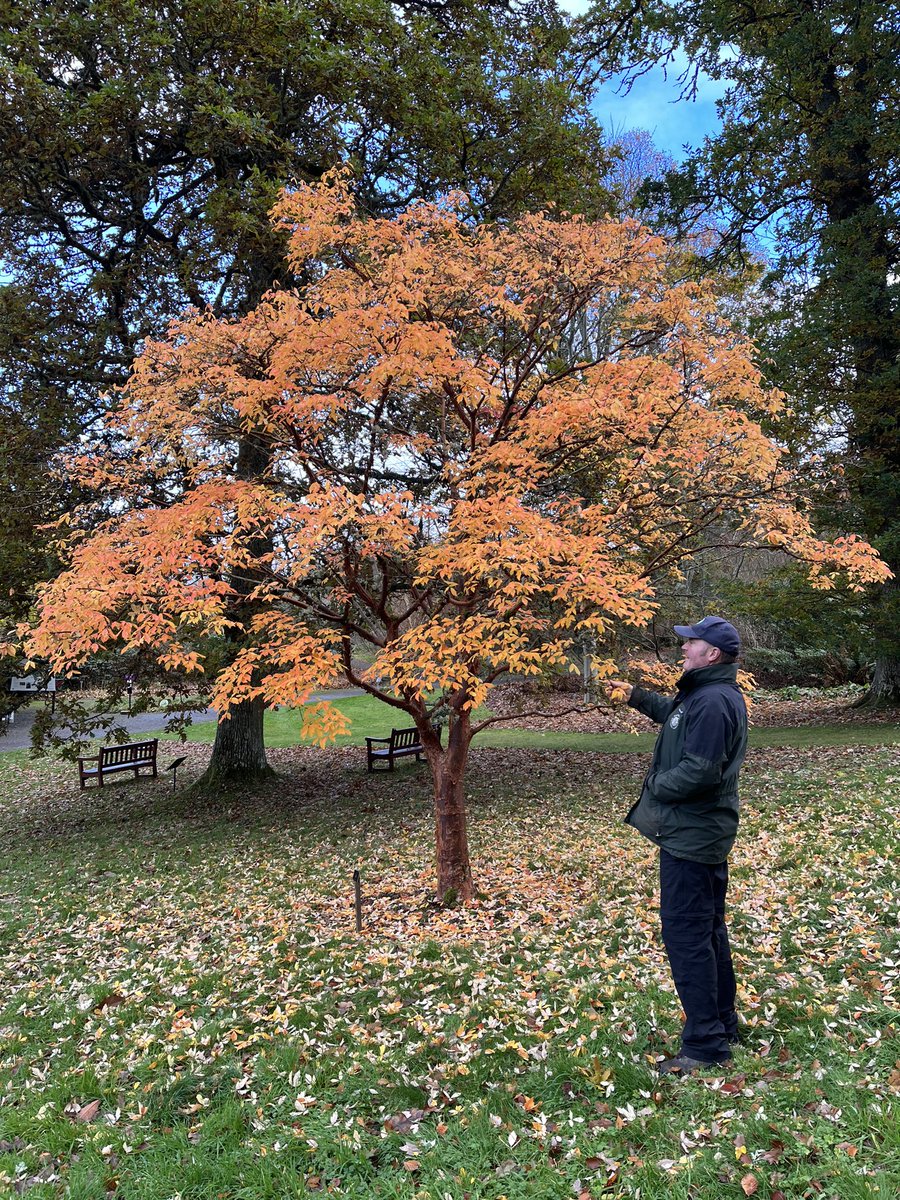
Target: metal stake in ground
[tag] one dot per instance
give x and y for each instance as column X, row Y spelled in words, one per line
column 357, row 899
column 173, row 767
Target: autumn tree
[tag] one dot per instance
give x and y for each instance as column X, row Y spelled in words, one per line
column 417, row 421
column 808, row 156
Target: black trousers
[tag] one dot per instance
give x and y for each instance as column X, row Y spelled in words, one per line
column 692, row 909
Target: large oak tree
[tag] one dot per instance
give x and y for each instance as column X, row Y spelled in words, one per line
column 143, row 144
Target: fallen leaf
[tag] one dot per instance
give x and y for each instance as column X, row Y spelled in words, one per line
column 749, row 1185
column 88, row 1112
column 110, row 1001
column 405, row 1121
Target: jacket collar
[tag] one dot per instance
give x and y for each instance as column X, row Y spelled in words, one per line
column 717, row 673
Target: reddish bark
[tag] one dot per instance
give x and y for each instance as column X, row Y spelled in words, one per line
column 448, row 766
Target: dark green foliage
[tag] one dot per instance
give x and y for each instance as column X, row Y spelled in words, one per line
column 826, row 633
column 802, row 668
column 809, row 156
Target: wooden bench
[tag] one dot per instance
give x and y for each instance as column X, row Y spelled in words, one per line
column 398, row 745
column 112, row 759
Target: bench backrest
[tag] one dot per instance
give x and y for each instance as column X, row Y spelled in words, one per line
column 401, row 738
column 131, row 752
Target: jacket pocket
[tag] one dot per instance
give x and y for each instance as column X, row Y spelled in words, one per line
column 669, row 818
column 653, row 819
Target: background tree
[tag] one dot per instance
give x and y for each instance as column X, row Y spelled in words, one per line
column 142, row 146
column 417, row 421
column 808, row 157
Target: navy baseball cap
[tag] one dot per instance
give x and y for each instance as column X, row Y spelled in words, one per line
column 715, row 630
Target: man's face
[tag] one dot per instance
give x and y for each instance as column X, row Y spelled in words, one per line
column 698, row 653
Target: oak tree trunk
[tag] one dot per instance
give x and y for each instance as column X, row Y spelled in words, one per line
column 239, row 754
column 884, row 690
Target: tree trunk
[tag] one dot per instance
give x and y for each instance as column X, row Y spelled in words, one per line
column 884, row 690
column 239, row 751
column 454, row 871
column 239, row 754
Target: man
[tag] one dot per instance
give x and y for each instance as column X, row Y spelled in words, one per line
column 689, row 807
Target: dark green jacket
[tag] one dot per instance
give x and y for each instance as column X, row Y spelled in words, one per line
column 689, row 800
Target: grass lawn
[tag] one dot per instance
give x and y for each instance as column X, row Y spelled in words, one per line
column 187, row 1011
column 372, row 718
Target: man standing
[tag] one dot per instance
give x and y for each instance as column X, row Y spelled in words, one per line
column 689, row 808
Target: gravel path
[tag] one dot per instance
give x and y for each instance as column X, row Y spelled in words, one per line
column 17, row 736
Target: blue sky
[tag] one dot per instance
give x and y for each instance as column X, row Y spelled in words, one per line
column 653, row 104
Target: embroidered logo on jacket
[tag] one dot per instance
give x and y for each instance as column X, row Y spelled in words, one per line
column 675, row 719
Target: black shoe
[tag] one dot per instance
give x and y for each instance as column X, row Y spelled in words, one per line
column 683, row 1064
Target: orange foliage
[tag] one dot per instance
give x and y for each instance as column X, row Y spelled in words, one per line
column 442, row 482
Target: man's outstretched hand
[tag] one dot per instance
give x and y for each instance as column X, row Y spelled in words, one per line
column 617, row 690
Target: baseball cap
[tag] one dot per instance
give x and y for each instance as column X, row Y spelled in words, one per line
column 715, row 630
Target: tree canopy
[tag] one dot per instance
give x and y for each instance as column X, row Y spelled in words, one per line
column 422, row 438
column 808, row 158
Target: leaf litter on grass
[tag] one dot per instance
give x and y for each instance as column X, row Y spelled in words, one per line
column 194, row 973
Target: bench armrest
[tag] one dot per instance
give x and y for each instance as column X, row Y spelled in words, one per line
column 90, row 758
column 370, row 741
